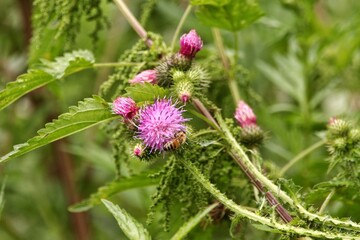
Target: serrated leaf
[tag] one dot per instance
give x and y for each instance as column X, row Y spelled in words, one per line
column 45, row 74
column 142, row 180
column 192, row 222
column 209, row 2
column 145, row 92
column 233, row 16
column 88, row 113
column 69, row 63
column 24, row 83
column 131, row 228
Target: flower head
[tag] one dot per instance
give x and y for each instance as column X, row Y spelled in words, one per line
column 244, row 115
column 125, row 107
column 190, row 44
column 145, row 76
column 159, row 122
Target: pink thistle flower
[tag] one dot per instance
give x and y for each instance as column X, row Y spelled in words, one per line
column 244, row 115
column 159, row 122
column 125, row 107
column 190, row 44
column 145, row 76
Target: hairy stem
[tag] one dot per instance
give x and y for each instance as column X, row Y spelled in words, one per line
column 179, row 26
column 133, row 22
column 117, row 64
column 242, row 211
column 301, row 155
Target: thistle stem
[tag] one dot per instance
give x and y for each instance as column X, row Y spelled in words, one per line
column 133, row 22
column 179, row 26
column 301, row 155
column 117, row 64
column 235, row 93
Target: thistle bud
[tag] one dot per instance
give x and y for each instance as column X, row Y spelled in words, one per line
column 338, row 128
column 184, row 90
column 244, row 115
column 139, row 150
column 145, row 76
column 190, row 44
column 125, row 107
column 252, row 136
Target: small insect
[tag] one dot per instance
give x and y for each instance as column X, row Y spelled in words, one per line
column 175, row 143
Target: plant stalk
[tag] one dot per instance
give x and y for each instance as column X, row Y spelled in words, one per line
column 179, row 26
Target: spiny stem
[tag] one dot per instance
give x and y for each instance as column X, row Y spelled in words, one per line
column 301, row 155
column 133, row 22
column 327, row 200
column 242, row 211
column 117, row 64
column 235, row 93
column 179, row 26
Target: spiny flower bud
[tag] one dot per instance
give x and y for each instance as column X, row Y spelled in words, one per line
column 244, row 115
column 184, row 90
column 145, row 76
column 190, row 44
column 251, row 136
column 169, row 65
column 338, row 128
column 125, row 107
column 139, row 150
column 354, row 135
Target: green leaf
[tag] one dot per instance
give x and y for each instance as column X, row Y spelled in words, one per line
column 209, row 2
column 88, row 113
column 232, row 16
column 24, row 83
column 69, row 63
column 132, row 229
column 142, row 180
column 145, row 92
column 45, row 74
column 192, row 222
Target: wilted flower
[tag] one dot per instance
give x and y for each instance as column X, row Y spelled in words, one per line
column 125, row 107
column 190, row 44
column 145, row 76
column 159, row 122
column 244, row 115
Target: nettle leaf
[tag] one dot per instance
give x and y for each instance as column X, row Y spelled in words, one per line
column 88, row 113
column 45, row 74
column 141, row 180
column 24, row 83
column 145, row 92
column 69, row 63
column 191, row 223
column 232, row 16
column 209, row 2
column 131, row 228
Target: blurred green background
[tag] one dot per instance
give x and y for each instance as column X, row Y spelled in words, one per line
column 299, row 65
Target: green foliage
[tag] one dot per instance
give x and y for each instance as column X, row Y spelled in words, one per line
column 2, row 197
column 145, row 92
column 132, row 229
column 88, row 113
column 233, row 15
column 45, row 74
column 191, row 223
column 114, row 187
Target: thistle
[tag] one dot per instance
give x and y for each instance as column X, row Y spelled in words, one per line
column 159, row 122
column 190, row 44
column 125, row 107
column 244, row 115
column 145, row 76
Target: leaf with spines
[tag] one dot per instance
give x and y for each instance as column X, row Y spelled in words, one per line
column 233, row 16
column 144, row 92
column 88, row 113
column 132, row 229
column 116, row 186
column 45, row 74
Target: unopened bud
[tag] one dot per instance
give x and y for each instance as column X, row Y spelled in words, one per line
column 244, row 115
column 145, row 76
column 190, row 44
column 125, row 107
